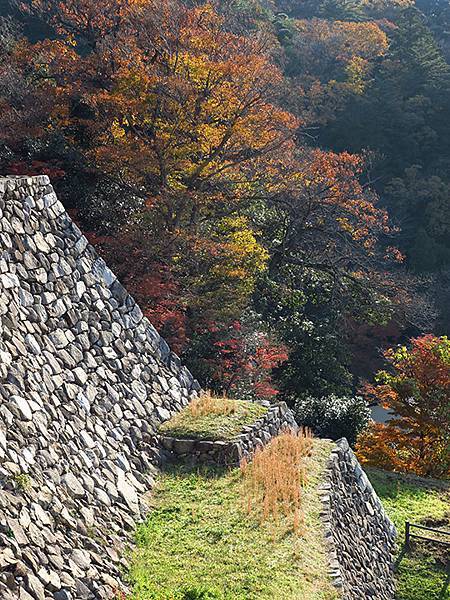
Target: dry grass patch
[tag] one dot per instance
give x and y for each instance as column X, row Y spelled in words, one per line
column 274, row 480
column 213, row 418
column 208, row 404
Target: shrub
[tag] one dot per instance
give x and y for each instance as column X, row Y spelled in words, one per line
column 23, row 481
column 333, row 416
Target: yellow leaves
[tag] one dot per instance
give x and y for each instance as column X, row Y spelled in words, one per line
column 117, row 131
column 243, row 245
column 243, row 256
column 343, row 40
column 175, row 182
column 357, row 70
column 338, row 57
column 363, row 40
column 346, row 225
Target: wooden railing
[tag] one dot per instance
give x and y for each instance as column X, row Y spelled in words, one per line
column 409, row 535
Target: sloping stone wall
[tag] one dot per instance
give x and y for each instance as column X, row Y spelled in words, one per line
column 84, row 381
column 360, row 536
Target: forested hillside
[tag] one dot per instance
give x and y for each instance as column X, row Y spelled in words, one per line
column 270, row 179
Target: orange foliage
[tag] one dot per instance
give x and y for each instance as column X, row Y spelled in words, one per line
column 330, row 61
column 340, row 40
column 417, row 438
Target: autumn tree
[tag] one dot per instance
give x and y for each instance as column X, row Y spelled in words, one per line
column 326, row 267
column 329, row 62
column 241, row 359
column 417, row 391
column 172, row 131
column 163, row 104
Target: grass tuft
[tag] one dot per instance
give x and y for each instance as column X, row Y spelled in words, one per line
column 273, row 481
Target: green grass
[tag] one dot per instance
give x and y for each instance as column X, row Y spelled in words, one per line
column 421, row 573
column 199, row 542
column 185, row 425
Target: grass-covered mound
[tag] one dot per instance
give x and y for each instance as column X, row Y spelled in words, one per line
column 422, row 573
column 209, row 418
column 234, row 535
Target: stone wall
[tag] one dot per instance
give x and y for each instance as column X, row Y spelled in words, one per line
column 277, row 419
column 84, row 382
column 360, row 536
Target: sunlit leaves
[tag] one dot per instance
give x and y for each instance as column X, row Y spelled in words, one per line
column 417, row 391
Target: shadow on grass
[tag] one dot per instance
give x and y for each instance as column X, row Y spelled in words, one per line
column 443, row 595
column 400, row 557
column 413, row 566
column 184, row 468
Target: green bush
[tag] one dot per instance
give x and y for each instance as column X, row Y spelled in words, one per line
column 333, row 416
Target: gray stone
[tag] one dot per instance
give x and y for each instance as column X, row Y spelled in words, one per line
column 23, row 407
column 59, row 339
column 8, row 280
column 128, row 492
column 35, row 587
column 73, row 486
column 163, row 413
column 81, row 558
column 183, row 446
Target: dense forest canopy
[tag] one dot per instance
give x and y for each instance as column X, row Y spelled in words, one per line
column 271, row 179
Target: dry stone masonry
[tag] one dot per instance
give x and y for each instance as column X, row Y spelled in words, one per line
column 278, row 418
column 84, row 382
column 360, row 536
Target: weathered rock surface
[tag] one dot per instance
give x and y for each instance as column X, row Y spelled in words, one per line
column 84, row 381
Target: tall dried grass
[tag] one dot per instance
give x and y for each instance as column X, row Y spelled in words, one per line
column 207, row 404
column 274, row 479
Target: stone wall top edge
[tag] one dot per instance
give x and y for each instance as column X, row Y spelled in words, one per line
column 12, row 182
column 18, row 178
column 169, row 358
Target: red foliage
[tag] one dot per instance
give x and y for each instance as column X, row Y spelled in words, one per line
column 245, row 361
column 152, row 284
column 36, row 167
column 160, row 299
column 417, row 391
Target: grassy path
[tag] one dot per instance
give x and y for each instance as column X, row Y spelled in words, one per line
column 200, row 542
column 422, row 573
